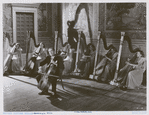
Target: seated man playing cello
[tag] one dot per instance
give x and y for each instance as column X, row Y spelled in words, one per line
column 55, row 67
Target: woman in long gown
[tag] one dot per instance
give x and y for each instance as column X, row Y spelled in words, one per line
column 123, row 72
column 106, row 67
column 135, row 76
column 16, row 61
column 86, row 63
column 42, row 55
column 39, row 54
column 69, row 63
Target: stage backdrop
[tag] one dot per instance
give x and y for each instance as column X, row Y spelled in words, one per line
column 127, row 17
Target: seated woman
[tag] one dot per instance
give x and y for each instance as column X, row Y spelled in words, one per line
column 69, row 63
column 16, row 61
column 134, row 76
column 42, row 55
column 106, row 67
column 86, row 63
column 39, row 54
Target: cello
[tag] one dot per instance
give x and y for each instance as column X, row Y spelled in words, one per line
column 51, row 71
column 43, row 80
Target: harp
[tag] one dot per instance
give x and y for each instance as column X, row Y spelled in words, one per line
column 56, row 40
column 8, row 50
column 68, row 61
column 119, row 56
column 31, row 45
column 126, row 68
column 8, row 59
column 77, row 53
column 61, row 45
column 106, row 47
column 122, row 74
column 96, row 56
column 32, row 52
column 75, row 37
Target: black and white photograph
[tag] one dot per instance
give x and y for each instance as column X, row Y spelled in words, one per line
column 77, row 57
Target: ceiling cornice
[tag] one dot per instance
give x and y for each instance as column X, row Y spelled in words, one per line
column 29, row 5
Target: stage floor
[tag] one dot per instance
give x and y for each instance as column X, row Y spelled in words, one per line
column 21, row 94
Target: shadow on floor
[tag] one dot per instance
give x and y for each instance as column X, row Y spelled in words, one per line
column 81, row 97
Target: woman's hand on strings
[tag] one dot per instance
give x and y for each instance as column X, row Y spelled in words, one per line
column 127, row 62
column 10, row 53
column 54, row 62
column 128, row 59
column 108, row 58
column 134, row 67
column 40, row 69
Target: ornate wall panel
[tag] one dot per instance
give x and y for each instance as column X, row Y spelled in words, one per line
column 7, row 20
column 42, row 17
column 125, row 16
column 132, row 21
column 112, row 25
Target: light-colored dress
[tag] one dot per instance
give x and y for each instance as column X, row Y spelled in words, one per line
column 105, row 69
column 40, row 58
column 68, row 62
column 6, row 47
column 135, row 76
column 16, row 61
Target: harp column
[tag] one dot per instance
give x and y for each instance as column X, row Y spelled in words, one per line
column 118, row 58
column 27, row 45
column 55, row 45
column 77, row 53
column 96, row 56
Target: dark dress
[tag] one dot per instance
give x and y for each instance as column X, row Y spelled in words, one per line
column 72, row 36
column 86, row 64
column 59, row 70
